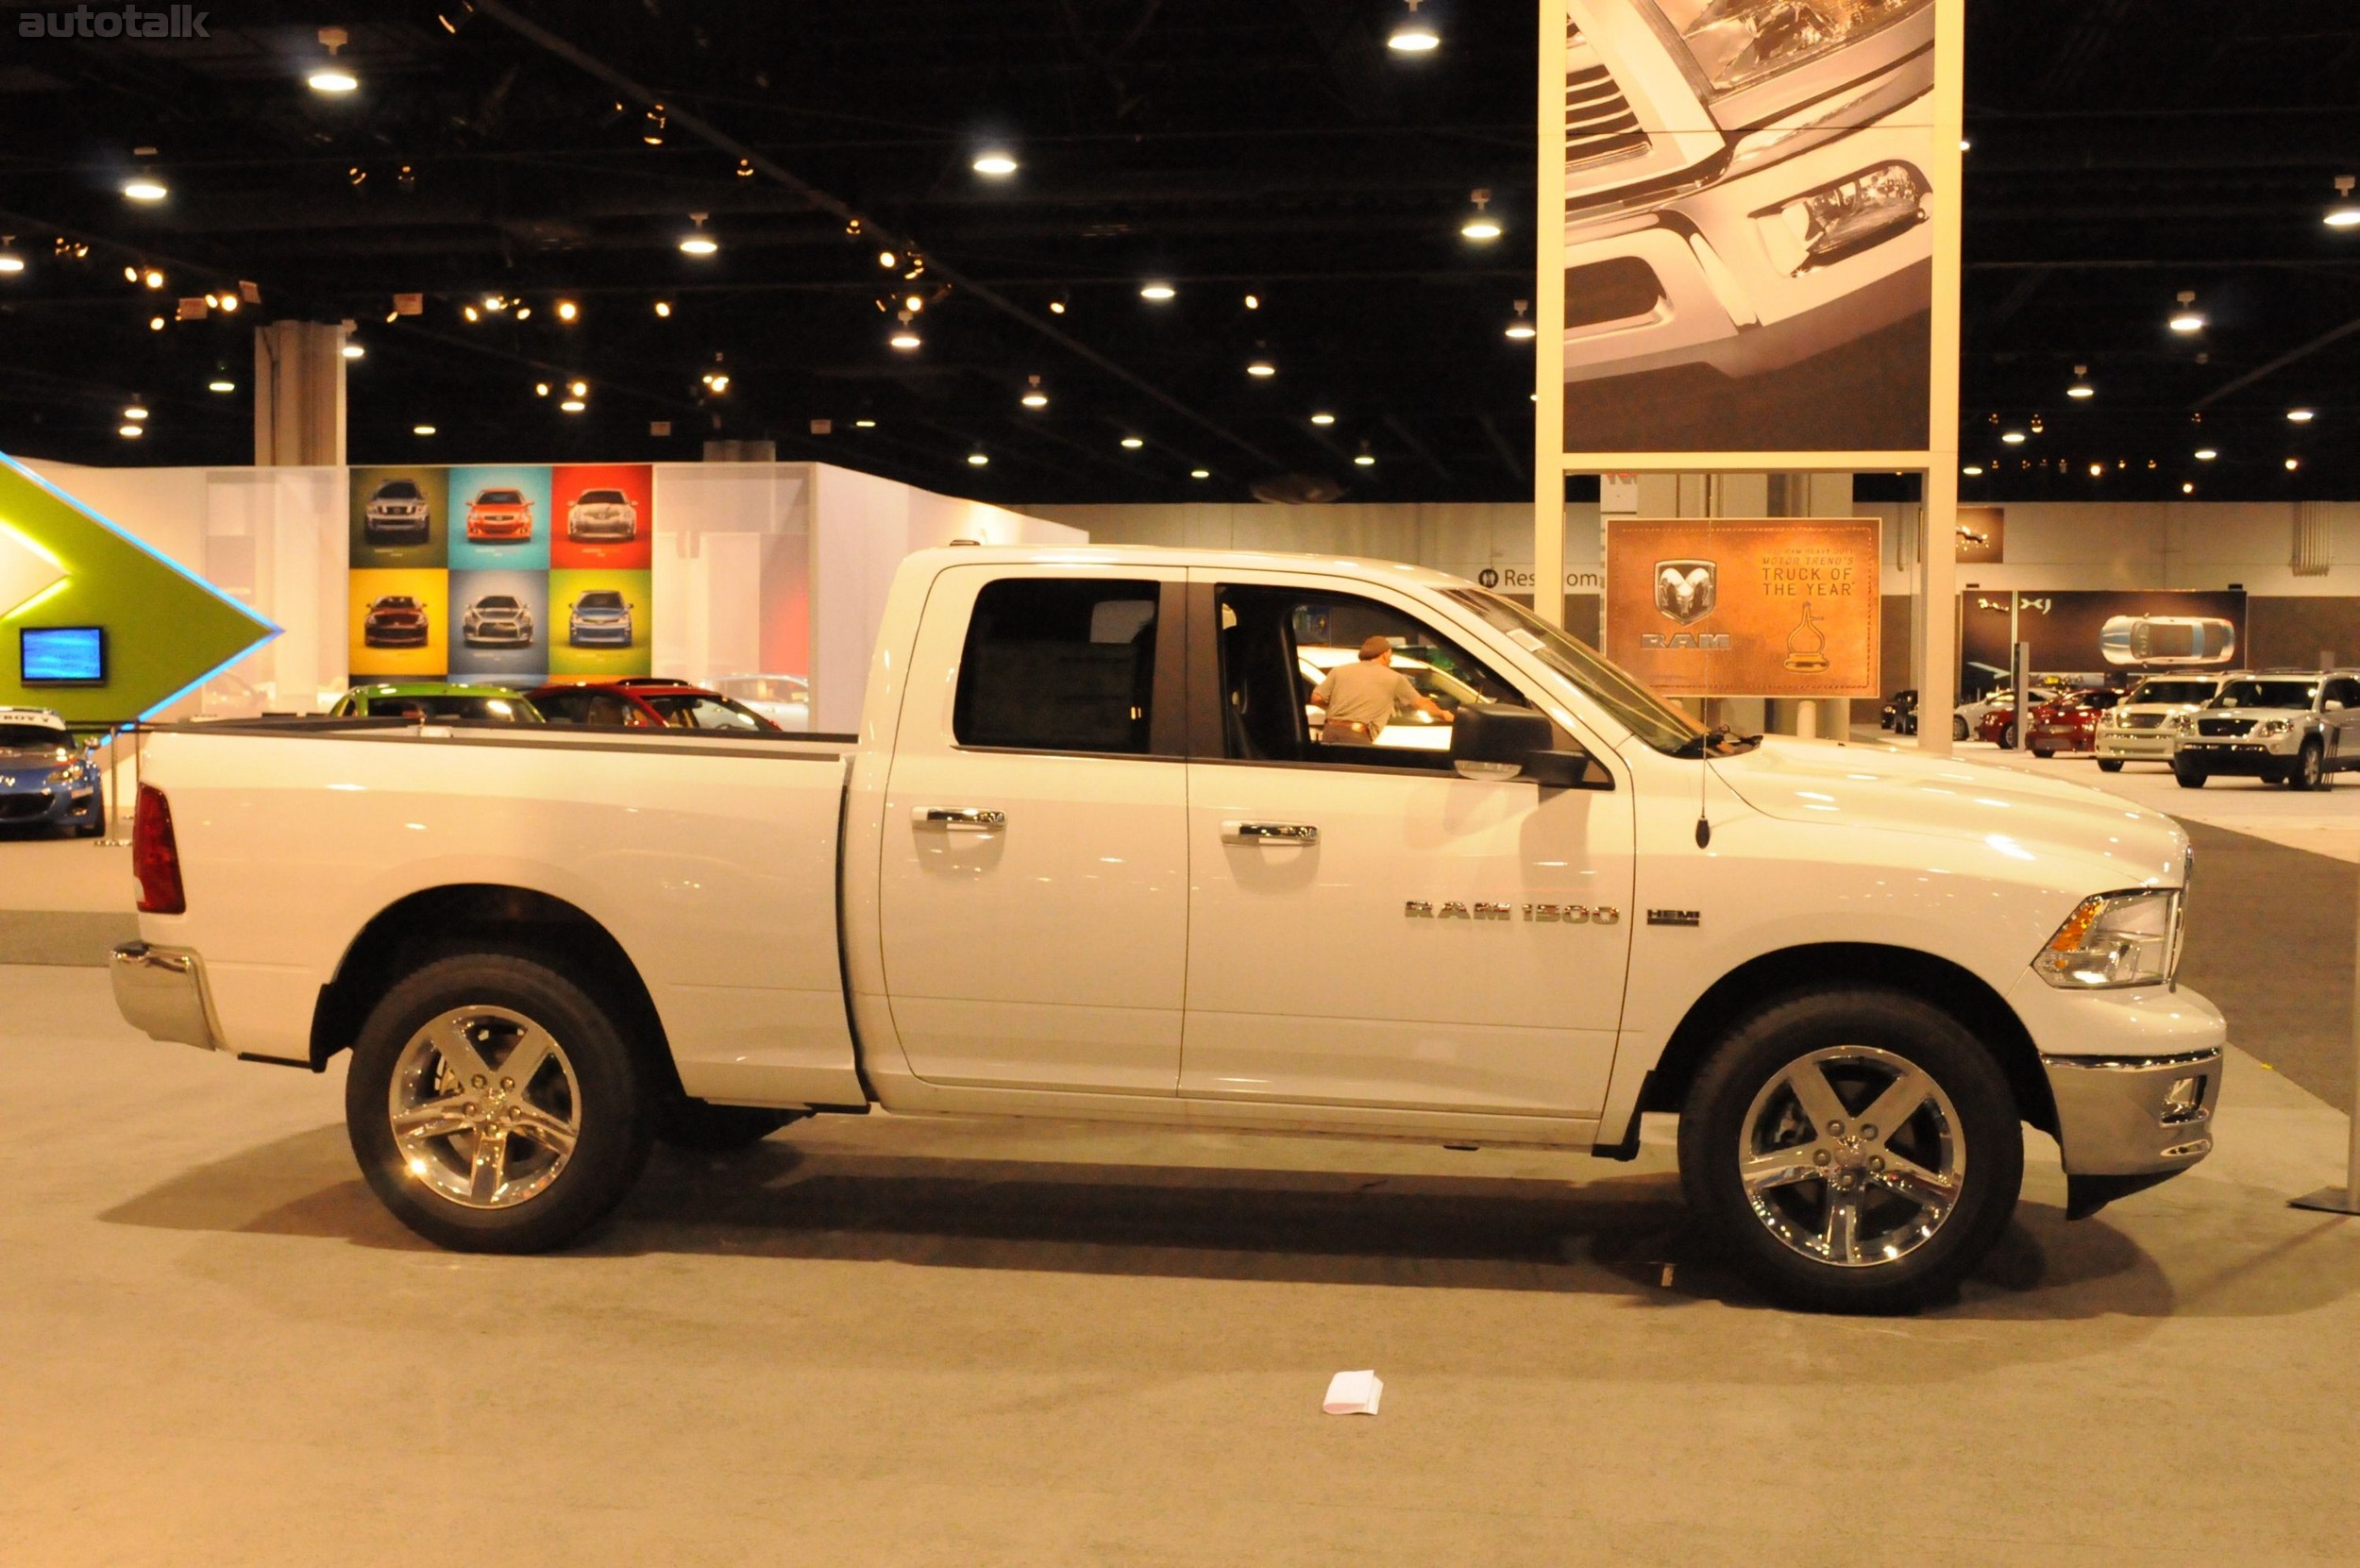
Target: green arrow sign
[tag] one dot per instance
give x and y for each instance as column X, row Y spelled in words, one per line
column 63, row 564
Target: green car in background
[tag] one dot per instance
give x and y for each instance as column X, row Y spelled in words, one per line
column 437, row 700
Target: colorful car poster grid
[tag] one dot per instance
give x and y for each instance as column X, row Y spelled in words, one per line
column 507, row 574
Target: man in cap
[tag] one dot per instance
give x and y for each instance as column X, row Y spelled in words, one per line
column 1362, row 698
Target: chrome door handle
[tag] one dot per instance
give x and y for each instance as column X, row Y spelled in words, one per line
column 1270, row 833
column 960, row 819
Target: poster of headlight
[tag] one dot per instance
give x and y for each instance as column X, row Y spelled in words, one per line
column 1747, row 250
column 504, row 575
column 2099, row 637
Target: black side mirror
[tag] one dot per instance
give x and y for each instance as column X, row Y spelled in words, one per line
column 1512, row 743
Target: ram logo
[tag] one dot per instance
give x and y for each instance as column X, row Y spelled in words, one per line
column 1686, row 591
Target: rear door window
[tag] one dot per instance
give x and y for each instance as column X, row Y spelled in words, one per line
column 1059, row 664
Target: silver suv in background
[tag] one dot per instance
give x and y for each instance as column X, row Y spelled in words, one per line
column 2282, row 726
column 2138, row 728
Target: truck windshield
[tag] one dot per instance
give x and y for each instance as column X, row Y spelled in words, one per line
column 1646, row 715
column 2173, row 691
column 2267, row 694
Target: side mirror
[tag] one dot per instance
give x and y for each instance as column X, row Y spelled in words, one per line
column 2330, row 705
column 1510, row 743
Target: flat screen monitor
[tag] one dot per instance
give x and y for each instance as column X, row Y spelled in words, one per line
column 62, row 656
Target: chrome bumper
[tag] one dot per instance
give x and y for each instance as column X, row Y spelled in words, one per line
column 2135, row 745
column 160, row 992
column 2135, row 1116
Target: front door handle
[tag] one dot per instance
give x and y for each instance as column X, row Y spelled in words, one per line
column 1270, row 833
column 960, row 819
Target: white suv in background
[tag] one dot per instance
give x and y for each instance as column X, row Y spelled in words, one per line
column 2283, row 726
column 2138, row 729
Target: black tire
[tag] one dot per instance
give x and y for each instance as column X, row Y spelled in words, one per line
column 2310, row 768
column 2007, row 738
column 2189, row 775
column 1758, row 1053
column 2042, row 755
column 708, row 1128
column 1958, row 727
column 2109, row 765
column 611, row 1109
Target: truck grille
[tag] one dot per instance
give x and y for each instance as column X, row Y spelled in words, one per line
column 2223, row 726
column 1599, row 124
column 2141, row 721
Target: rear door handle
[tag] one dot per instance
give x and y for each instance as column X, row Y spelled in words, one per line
column 1270, row 833
column 960, row 819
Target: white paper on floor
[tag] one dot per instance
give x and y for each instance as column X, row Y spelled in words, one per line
column 1353, row 1393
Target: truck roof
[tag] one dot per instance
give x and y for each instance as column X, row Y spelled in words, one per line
column 1167, row 555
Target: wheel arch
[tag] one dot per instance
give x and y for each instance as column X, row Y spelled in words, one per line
column 1828, row 966
column 434, row 922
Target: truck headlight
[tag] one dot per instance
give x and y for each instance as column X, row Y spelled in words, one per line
column 2270, row 727
column 1736, row 43
column 2179, row 721
column 1834, row 221
column 2115, row 939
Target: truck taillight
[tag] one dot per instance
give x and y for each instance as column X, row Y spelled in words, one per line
column 156, row 856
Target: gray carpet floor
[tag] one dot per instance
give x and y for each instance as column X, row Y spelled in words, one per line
column 2270, row 941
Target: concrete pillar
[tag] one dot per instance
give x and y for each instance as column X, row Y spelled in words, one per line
column 299, row 394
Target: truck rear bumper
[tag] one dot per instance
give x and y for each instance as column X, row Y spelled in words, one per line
column 160, row 992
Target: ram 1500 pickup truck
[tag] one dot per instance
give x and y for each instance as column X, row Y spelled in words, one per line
column 1087, row 859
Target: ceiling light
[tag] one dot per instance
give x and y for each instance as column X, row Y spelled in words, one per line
column 2302, row 416
column 1261, row 369
column 421, row 429
column 2187, row 318
column 2097, row 469
column 2187, row 488
column 228, row 304
column 697, row 242
column 2206, row 454
column 888, row 261
column 2013, row 438
column 905, row 338
column 2344, row 214
column 663, row 308
column 1034, row 397
column 1157, row 292
column 353, row 351
column 1200, row 473
column 1522, row 328
column 1322, row 417
column 1056, row 307
column 2293, row 463
column 130, row 432
column 652, row 130
column 978, row 459
column 540, row 389
column 145, row 187
column 154, row 324
column 220, row 383
column 153, row 279
column 10, row 261
column 471, row 312
column 1413, row 36
column 567, row 310
column 328, row 78
column 524, row 312
column 864, row 423
column 1973, row 470
column 2080, row 387
column 580, row 389
column 1253, row 302
column 1132, row 443
column 495, row 302
column 573, row 405
column 136, row 411
column 1481, row 225
column 995, row 163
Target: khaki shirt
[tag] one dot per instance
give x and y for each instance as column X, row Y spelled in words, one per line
column 1365, row 692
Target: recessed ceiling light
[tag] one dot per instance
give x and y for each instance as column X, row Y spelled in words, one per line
column 1413, row 36
column 1200, row 473
column 2293, row 463
column 567, row 310
column 663, row 308
column 2097, row 469
column 864, row 423
column 1322, row 417
column 154, row 324
column 580, row 389
column 1261, row 369
column 1253, row 302
column 421, row 429
column 145, row 187
column 2187, row 488
column 2302, row 416
column 130, row 432
column 1132, row 443
column 328, row 78
column 1973, row 470
column 2206, row 454
column 995, row 163
column 1157, row 292
column 153, row 277
column 220, row 383
column 979, row 459
column 573, row 405
column 2013, row 438
column 353, row 351
column 136, row 411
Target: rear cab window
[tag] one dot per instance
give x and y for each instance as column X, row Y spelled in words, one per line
column 1060, row 665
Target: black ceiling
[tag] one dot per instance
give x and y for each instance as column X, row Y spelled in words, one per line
column 2121, row 153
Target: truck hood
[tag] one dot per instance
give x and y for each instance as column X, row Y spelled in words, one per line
column 1850, row 788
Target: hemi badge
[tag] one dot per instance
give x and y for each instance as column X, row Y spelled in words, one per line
column 1674, row 916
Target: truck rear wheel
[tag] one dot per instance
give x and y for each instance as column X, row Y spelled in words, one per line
column 1852, row 1150
column 494, row 1106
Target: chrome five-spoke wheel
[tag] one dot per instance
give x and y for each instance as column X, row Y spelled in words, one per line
column 485, row 1106
column 1853, row 1155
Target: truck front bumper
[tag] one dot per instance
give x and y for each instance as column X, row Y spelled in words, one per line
column 2135, row 745
column 2239, row 756
column 160, row 992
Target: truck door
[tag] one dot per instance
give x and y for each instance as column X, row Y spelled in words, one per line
column 1366, row 927
column 1033, row 888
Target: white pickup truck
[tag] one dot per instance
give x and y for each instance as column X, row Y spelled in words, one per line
column 1086, row 859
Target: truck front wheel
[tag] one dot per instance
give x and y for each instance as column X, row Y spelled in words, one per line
column 494, row 1106
column 1852, row 1150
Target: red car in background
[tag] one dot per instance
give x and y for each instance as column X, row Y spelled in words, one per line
column 647, row 703
column 2068, row 722
column 499, row 515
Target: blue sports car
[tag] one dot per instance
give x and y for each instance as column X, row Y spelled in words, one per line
column 46, row 778
column 599, row 618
